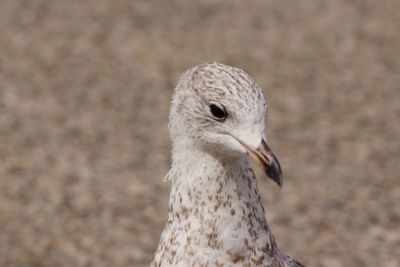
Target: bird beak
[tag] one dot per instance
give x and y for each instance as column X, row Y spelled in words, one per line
column 265, row 158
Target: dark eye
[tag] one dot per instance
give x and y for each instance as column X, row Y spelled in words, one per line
column 217, row 112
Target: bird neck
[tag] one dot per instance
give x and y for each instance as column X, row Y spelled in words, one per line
column 218, row 203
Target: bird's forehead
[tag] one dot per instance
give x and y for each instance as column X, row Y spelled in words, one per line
column 218, row 82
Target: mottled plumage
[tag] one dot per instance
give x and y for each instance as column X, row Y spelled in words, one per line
column 216, row 217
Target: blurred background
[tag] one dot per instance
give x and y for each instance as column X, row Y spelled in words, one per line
column 85, row 88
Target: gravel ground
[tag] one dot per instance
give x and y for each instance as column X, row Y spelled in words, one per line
column 85, row 88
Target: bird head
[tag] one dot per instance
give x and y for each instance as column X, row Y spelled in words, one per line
column 221, row 110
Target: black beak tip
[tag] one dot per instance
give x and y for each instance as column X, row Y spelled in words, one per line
column 274, row 171
column 275, row 176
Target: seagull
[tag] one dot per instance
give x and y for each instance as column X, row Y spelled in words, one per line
column 216, row 218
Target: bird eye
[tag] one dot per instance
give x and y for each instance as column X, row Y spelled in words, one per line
column 217, row 111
